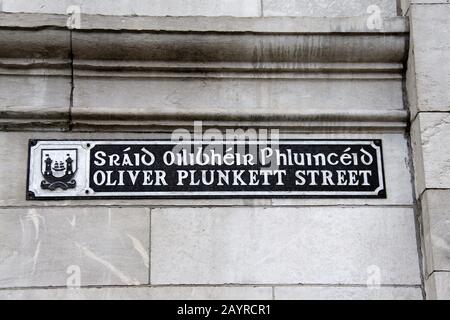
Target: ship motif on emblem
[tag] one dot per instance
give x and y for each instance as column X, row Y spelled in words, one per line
column 58, row 169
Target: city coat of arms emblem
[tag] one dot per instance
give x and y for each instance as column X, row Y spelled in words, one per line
column 58, row 168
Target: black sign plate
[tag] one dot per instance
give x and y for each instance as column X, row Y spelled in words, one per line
column 72, row 169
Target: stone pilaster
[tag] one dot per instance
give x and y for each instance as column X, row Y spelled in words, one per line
column 428, row 82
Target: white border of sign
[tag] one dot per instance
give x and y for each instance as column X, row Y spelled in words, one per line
column 34, row 192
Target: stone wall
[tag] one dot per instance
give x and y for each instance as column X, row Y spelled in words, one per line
column 136, row 77
column 428, row 80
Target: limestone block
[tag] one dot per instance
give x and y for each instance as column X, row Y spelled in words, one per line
column 430, row 136
column 284, row 246
column 79, row 246
column 35, row 100
column 436, row 229
column 14, row 158
column 39, row 44
column 201, row 98
column 275, row 24
column 34, row 21
column 438, row 286
column 259, row 69
column 347, row 293
column 327, row 8
column 142, row 293
column 275, row 69
column 250, row 45
column 406, row 4
column 430, row 33
column 35, row 75
column 35, row 91
column 245, row 8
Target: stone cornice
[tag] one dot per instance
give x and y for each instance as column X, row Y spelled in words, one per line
column 189, row 42
column 204, row 24
column 105, row 119
column 198, row 47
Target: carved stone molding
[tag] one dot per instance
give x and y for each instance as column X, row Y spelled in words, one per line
column 316, row 53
